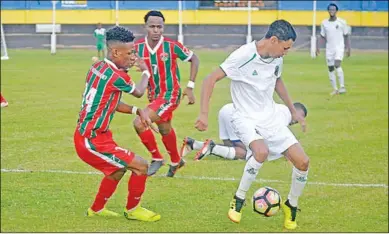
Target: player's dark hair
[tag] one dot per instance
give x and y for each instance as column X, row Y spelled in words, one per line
column 119, row 34
column 332, row 4
column 154, row 13
column 299, row 105
column 281, row 29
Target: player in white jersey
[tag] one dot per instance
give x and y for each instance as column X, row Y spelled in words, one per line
column 232, row 148
column 255, row 72
column 336, row 34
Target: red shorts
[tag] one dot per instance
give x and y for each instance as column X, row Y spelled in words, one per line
column 163, row 108
column 102, row 152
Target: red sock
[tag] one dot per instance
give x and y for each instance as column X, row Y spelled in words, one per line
column 2, row 98
column 136, row 187
column 170, row 142
column 148, row 139
column 107, row 188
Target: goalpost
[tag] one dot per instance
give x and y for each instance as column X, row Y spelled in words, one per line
column 4, row 50
column 53, row 36
column 249, row 37
column 180, row 37
column 117, row 12
column 313, row 37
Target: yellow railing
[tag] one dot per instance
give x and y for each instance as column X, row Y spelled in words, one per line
column 216, row 17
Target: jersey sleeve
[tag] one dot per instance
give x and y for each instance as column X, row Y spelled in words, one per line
column 345, row 28
column 279, row 67
column 322, row 30
column 182, row 52
column 232, row 64
column 124, row 83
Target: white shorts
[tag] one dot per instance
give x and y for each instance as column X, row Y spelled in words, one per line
column 277, row 141
column 225, row 130
column 332, row 55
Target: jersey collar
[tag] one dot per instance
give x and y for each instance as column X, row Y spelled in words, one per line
column 152, row 51
column 265, row 60
column 111, row 63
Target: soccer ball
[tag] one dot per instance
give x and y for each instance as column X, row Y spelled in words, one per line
column 266, row 201
column 95, row 59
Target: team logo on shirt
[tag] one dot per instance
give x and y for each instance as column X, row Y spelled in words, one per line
column 277, row 70
column 337, row 26
column 164, row 56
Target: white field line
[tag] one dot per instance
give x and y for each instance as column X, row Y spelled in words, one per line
column 197, row 178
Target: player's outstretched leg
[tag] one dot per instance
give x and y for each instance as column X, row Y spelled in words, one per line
column 299, row 179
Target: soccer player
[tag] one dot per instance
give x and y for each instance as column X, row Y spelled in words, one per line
column 164, row 92
column 232, row 148
column 255, row 72
column 4, row 102
column 99, row 35
column 336, row 34
column 105, row 82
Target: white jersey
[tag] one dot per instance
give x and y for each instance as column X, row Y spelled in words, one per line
column 334, row 32
column 253, row 83
column 100, row 31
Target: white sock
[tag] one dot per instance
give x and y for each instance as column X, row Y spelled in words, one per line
column 333, row 79
column 197, row 145
column 299, row 179
column 224, row 151
column 249, row 174
column 340, row 73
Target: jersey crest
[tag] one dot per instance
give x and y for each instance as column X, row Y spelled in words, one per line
column 164, row 56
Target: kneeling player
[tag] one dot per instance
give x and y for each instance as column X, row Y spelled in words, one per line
column 232, row 148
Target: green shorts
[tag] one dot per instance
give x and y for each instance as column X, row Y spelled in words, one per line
column 100, row 46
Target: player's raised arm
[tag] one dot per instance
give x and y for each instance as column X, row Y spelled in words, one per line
column 206, row 93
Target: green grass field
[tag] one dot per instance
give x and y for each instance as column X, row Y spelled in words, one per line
column 347, row 141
